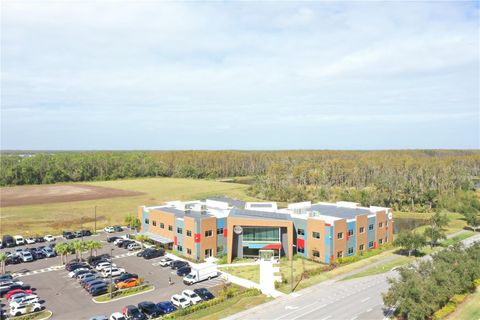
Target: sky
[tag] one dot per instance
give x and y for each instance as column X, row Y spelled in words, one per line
column 138, row 75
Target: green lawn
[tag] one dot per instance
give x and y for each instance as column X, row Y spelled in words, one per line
column 400, row 260
column 53, row 218
column 456, row 223
column 251, row 273
column 468, row 310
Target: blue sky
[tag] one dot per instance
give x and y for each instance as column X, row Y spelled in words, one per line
column 244, row 75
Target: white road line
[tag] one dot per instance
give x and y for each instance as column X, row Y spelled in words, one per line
column 326, row 318
column 368, row 310
column 354, row 318
column 366, row 299
column 309, row 311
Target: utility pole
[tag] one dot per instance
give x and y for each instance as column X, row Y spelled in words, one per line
column 111, row 288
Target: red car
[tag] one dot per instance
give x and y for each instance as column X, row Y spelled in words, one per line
column 14, row 291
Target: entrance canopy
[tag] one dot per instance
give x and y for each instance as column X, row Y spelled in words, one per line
column 156, row 237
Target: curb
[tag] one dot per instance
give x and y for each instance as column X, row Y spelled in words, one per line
column 30, row 314
column 132, row 295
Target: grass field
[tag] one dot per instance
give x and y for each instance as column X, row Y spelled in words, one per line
column 55, row 217
column 251, row 273
column 457, row 221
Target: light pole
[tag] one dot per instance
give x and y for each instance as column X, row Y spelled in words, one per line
column 291, row 270
column 111, row 288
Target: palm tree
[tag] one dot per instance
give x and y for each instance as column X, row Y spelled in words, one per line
column 63, row 249
column 132, row 221
column 3, row 260
column 142, row 238
column 79, row 246
column 93, row 245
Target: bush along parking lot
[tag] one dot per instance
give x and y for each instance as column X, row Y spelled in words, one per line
column 45, row 314
column 227, row 293
column 117, row 294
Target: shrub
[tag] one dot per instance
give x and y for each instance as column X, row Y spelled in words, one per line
column 445, row 311
column 476, row 282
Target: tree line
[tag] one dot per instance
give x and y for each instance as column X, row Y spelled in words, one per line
column 408, row 180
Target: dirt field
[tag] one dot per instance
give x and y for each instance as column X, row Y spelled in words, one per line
column 41, row 194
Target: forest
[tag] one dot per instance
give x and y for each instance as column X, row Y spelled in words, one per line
column 407, row 180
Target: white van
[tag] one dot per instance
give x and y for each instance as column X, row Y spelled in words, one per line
column 19, row 240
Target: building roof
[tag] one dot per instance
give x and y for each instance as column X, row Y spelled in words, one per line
column 182, row 214
column 156, row 237
column 254, row 214
column 231, row 201
column 340, row 212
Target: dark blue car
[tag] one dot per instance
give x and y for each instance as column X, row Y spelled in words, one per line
column 182, row 272
column 166, row 307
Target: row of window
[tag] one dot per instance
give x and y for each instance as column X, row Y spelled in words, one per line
column 208, row 252
column 316, row 235
column 208, row 233
column 361, row 247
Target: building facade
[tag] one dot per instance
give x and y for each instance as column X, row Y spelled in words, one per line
column 322, row 232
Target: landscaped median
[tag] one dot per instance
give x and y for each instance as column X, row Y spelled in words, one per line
column 231, row 299
column 40, row 315
column 123, row 293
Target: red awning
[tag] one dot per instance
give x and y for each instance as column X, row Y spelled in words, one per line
column 277, row 246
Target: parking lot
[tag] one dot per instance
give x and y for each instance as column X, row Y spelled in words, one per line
column 68, row 300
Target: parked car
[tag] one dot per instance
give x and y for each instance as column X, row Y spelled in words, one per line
column 96, row 291
column 25, row 309
column 74, row 273
column 154, row 253
column 180, row 301
column 132, row 312
column 126, row 243
column 204, row 294
column 88, row 284
column 78, row 234
column 177, row 264
column 1, row 246
column 49, row 238
column 95, row 260
column 134, row 246
column 86, row 232
column 182, row 272
column 112, row 239
column 39, row 254
column 109, row 229
column 8, row 241
column 129, row 283
column 86, row 275
column 164, row 262
column 192, row 296
column 19, row 241
column 15, row 291
column 48, row 252
column 124, row 277
column 149, row 309
column 30, row 240
column 119, row 241
column 27, row 299
column 26, row 256
column 117, row 228
column 68, row 235
column 105, row 265
column 117, row 316
column 6, row 276
column 114, row 272
column 13, row 259
column 40, row 239
column 76, row 265
column 99, row 317
column 166, row 307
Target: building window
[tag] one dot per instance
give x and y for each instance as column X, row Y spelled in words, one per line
column 380, row 241
column 189, row 233
column 208, row 233
column 316, row 235
column 162, row 225
column 300, row 250
column 361, row 247
column 189, row 251
column 370, row 227
column 316, row 253
column 179, row 248
column 300, row 232
column 362, row 230
column 350, row 251
column 208, row 253
column 339, row 254
column 154, row 223
column 220, row 231
column 370, row 244
column 179, row 230
column 261, row 234
column 146, row 220
column 350, row 232
column 170, row 228
column 340, row 235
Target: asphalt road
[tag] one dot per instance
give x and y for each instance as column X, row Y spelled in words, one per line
column 354, row 299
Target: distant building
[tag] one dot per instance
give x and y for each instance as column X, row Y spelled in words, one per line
column 216, row 226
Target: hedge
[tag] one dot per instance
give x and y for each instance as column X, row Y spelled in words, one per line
column 123, row 292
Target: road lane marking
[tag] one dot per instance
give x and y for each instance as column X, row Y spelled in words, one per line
column 291, row 307
column 309, row 311
column 370, row 309
column 354, row 318
column 326, row 318
column 366, row 299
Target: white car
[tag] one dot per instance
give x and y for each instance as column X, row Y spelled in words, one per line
column 73, row 273
column 180, row 301
column 105, row 265
column 16, row 298
column 28, row 299
column 119, row 240
column 134, row 246
column 25, row 309
column 115, row 272
column 192, row 296
column 109, row 229
column 165, row 262
column 49, row 238
column 117, row 316
column 19, row 240
column 30, row 240
column 26, row 256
